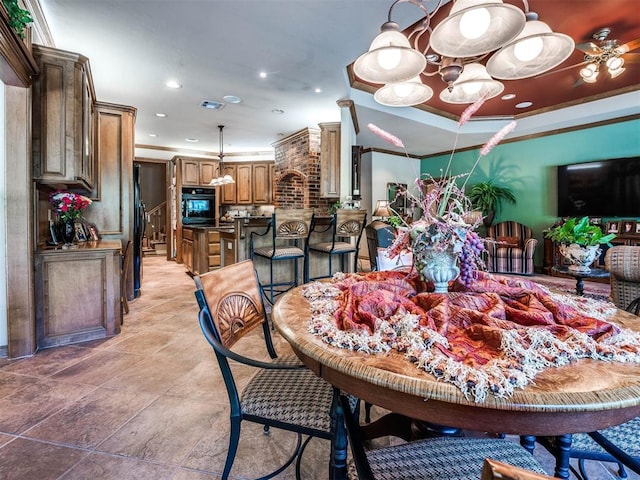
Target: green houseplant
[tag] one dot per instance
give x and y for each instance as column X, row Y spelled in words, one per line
column 18, row 17
column 488, row 197
column 579, row 242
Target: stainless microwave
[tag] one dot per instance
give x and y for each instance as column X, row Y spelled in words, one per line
column 198, row 206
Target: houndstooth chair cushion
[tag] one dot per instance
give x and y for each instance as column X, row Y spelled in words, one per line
column 290, row 396
column 279, row 252
column 625, row 436
column 450, row 458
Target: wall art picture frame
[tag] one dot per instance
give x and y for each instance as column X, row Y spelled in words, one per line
column 613, row 227
column 628, row 226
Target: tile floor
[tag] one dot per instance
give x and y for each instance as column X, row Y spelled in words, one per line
column 146, row 404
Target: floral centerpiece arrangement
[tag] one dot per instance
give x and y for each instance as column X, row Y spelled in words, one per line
column 446, row 230
column 68, row 205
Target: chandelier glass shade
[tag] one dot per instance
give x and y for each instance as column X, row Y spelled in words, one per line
column 390, row 58
column 474, row 82
column 476, row 27
column 404, row 94
column 534, row 51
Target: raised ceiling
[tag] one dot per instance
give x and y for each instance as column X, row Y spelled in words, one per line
column 217, row 48
column 562, row 86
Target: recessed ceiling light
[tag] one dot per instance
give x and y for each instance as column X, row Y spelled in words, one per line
column 278, row 111
column 192, row 140
column 262, row 74
column 212, row 104
column 153, row 134
column 508, row 96
column 231, row 99
column 173, row 84
column 318, row 90
column 524, row 104
column 161, row 115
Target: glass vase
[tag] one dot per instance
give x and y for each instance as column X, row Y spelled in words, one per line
column 68, row 231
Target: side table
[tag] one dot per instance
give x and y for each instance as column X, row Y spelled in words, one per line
column 580, row 276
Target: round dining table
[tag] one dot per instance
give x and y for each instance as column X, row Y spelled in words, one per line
column 583, row 396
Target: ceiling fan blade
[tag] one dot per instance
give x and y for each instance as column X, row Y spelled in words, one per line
column 629, row 46
column 632, row 58
column 589, row 48
column 550, row 72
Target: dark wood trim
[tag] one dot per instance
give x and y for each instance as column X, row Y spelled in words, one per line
column 188, row 152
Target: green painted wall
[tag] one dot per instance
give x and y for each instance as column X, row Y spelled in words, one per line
column 528, row 168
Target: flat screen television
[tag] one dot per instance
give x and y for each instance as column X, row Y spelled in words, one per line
column 605, row 188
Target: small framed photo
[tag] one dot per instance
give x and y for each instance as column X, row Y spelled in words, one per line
column 92, row 233
column 637, row 227
column 613, row 227
column 628, row 226
column 81, row 234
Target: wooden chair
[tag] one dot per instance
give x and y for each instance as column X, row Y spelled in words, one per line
column 494, row 470
column 623, row 263
column 432, row 458
column 346, row 229
column 284, row 393
column 510, row 248
column 289, row 230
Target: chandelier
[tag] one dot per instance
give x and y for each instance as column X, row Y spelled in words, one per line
column 222, row 179
column 454, row 50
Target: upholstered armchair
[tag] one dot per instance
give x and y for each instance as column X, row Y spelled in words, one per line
column 510, row 248
column 623, row 263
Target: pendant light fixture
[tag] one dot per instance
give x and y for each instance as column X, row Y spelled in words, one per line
column 222, row 179
column 473, row 83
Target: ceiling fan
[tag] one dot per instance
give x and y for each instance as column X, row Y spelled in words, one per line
column 597, row 54
column 607, row 53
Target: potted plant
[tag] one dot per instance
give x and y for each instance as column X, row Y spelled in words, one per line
column 579, row 242
column 488, row 197
column 18, row 17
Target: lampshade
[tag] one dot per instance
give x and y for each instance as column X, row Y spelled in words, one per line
column 474, row 82
column 382, row 209
column 535, row 50
column 476, row 27
column 590, row 73
column 390, row 58
column 403, row 94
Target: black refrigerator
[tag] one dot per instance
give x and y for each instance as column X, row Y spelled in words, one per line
column 139, row 224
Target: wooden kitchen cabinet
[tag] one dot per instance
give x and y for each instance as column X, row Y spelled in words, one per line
column 63, row 120
column 261, row 183
column 229, row 190
column 330, row 159
column 244, row 184
column 200, row 249
column 78, row 293
column 253, row 183
column 197, row 172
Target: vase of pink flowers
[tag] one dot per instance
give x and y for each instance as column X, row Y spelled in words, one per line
column 69, row 207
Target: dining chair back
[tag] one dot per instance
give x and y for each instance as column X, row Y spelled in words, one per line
column 289, row 229
column 433, row 458
column 346, row 229
column 283, row 393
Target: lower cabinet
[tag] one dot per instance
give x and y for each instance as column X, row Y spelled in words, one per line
column 78, row 294
column 200, row 249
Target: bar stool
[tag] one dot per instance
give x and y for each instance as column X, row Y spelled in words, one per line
column 346, row 226
column 289, row 229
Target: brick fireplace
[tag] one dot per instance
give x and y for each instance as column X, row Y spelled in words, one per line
column 297, row 172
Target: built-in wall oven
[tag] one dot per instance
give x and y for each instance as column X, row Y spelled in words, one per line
column 198, row 206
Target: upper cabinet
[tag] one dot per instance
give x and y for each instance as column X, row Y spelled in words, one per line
column 63, row 120
column 252, row 183
column 196, row 172
column 330, row 159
